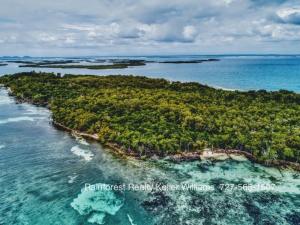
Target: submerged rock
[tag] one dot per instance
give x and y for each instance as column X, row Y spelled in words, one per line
column 157, row 202
column 97, row 203
column 293, row 218
column 204, row 167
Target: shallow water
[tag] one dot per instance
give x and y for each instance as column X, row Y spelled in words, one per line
column 43, row 182
column 231, row 72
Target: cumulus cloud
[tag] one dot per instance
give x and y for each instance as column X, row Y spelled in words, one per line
column 189, row 32
column 145, row 27
column 289, row 15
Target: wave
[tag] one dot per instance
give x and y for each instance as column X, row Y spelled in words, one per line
column 5, row 101
column 84, row 153
column 83, row 142
column 33, row 110
column 4, row 98
column 2, row 146
column 16, row 119
column 80, row 140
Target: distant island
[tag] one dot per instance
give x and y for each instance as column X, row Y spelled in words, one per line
column 146, row 117
column 99, row 63
column 115, row 64
column 43, row 62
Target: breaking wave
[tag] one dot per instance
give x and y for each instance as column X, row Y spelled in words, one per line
column 84, row 153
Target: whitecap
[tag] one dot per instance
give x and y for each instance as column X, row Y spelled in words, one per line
column 2, row 146
column 84, row 153
column 80, row 140
column 5, row 101
column 16, row 119
column 4, row 98
column 83, row 141
column 97, row 203
column 33, row 110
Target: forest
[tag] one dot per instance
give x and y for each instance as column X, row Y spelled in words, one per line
column 156, row 116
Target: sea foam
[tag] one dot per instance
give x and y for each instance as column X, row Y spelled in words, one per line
column 84, row 153
column 33, row 110
column 80, row 140
column 4, row 98
column 16, row 119
column 5, row 101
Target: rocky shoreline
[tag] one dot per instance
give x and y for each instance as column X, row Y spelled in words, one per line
column 214, row 155
column 180, row 157
column 221, row 154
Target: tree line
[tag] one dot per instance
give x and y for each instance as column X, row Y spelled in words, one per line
column 156, row 116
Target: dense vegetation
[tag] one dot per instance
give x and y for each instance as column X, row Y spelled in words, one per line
column 157, row 116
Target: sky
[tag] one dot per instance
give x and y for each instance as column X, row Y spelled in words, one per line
column 148, row 27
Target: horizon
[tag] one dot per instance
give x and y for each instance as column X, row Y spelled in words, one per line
column 150, row 55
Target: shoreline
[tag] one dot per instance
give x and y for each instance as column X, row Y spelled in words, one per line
column 214, row 155
column 94, row 137
column 177, row 158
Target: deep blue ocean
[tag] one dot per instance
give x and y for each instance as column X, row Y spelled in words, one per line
column 44, row 172
column 242, row 72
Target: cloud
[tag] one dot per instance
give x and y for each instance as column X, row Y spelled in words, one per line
column 147, row 27
column 289, row 15
column 189, row 32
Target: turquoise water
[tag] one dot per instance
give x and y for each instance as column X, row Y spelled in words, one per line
column 44, row 172
column 231, row 72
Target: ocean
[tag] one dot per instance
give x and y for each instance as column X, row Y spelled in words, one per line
column 52, row 177
column 235, row 72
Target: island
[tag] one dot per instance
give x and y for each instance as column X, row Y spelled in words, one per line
column 148, row 117
column 43, row 62
column 115, row 64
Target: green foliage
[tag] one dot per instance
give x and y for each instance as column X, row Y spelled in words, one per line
column 157, row 116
